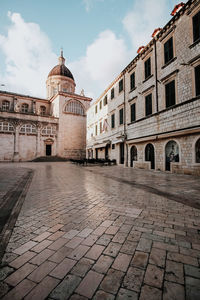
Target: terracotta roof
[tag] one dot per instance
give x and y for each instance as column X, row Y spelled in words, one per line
column 177, row 8
column 61, row 70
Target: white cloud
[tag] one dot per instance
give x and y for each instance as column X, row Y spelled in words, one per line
column 28, row 55
column 104, row 59
column 89, row 4
column 145, row 16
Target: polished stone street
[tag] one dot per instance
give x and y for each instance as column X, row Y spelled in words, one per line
column 101, row 233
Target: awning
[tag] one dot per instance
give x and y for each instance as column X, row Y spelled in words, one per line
column 117, row 141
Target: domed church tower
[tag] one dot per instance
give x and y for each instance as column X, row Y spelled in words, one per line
column 60, row 79
column 70, row 110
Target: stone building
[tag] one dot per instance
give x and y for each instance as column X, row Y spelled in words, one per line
column 149, row 116
column 31, row 127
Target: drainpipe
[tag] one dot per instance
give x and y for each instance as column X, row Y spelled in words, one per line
column 156, row 73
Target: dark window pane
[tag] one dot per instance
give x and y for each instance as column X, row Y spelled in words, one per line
column 170, row 94
column 132, row 81
column 113, row 121
column 121, row 85
column 147, row 65
column 148, row 104
column 197, row 80
column 196, row 27
column 133, row 114
column 121, row 116
column 197, row 150
column 105, row 101
column 95, row 109
column 112, row 93
column 168, row 50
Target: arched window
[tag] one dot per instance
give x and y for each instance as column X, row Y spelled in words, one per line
column 49, row 130
column 24, row 108
column 6, row 126
column 133, row 155
column 43, row 110
column 171, row 154
column 28, row 128
column 74, row 107
column 5, row 105
column 197, row 151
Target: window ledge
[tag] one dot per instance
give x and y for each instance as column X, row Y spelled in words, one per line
column 195, row 43
column 147, row 78
column 169, row 62
column 133, row 89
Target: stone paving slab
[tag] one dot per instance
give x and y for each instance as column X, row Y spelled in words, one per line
column 83, row 233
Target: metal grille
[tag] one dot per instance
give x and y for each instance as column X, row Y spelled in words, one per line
column 5, row 126
column 75, row 108
column 28, row 128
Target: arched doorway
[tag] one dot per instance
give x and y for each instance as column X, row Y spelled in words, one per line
column 171, row 154
column 133, row 155
column 149, row 155
column 197, row 151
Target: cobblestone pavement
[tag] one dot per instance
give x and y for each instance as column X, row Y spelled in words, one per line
column 83, row 233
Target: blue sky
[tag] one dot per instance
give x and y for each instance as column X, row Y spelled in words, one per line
column 99, row 38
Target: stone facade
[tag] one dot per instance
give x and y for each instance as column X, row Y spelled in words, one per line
column 32, row 127
column 159, row 126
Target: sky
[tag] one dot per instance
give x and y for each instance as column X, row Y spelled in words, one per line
column 99, row 38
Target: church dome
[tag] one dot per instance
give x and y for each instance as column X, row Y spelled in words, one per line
column 61, row 69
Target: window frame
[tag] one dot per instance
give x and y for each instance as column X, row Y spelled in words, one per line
column 24, row 108
column 121, row 85
column 147, row 74
column 167, row 84
column 132, row 82
column 6, row 127
column 112, row 120
column 148, row 98
column 74, row 107
column 193, row 33
column 133, row 105
column 96, row 109
column 167, row 51
column 33, row 129
column 5, row 107
column 196, row 88
column 121, row 116
column 112, row 93
column 105, row 100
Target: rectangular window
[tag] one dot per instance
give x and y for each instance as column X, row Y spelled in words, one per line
column 113, row 121
column 95, row 129
column 197, row 80
column 121, row 116
column 100, row 104
column 196, row 27
column 168, row 50
column 148, row 105
column 105, row 100
column 147, row 66
column 133, row 112
column 96, row 109
column 170, row 94
column 112, row 93
column 132, row 81
column 113, row 146
column 121, row 86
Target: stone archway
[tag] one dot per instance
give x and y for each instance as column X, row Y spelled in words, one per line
column 133, row 154
column 150, row 155
column 171, row 154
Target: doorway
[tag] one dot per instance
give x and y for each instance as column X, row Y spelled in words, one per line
column 48, row 150
column 149, row 155
column 121, row 153
column 106, row 152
